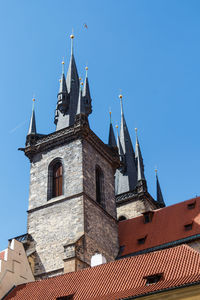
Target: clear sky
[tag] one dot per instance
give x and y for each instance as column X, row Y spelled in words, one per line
column 150, row 49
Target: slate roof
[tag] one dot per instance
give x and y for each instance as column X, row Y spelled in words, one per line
column 167, row 226
column 179, row 266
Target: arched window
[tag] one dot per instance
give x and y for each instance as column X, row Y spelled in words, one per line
column 55, row 179
column 100, row 186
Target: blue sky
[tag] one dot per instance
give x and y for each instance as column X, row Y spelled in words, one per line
column 150, row 49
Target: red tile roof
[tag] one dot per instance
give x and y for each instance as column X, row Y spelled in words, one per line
column 2, row 255
column 119, row 279
column 167, row 225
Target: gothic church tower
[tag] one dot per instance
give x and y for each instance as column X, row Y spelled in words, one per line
column 72, row 210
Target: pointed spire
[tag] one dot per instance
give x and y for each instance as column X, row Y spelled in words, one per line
column 160, row 199
column 139, row 160
column 86, row 89
column 111, row 138
column 127, row 178
column 86, row 94
column 120, row 150
column 80, row 107
column 63, row 87
column 32, row 126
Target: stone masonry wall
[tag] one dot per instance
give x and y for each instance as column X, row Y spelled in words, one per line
column 133, row 209
column 53, row 227
column 92, row 158
column 101, row 232
column 71, row 157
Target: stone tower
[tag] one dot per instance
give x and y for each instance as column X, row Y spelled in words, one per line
column 72, row 209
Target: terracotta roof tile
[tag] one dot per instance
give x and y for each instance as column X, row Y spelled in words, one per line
column 167, row 225
column 2, row 255
column 122, row 278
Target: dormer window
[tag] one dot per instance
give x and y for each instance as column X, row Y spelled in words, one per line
column 148, row 216
column 142, row 240
column 188, row 226
column 121, row 218
column 191, row 205
column 152, row 279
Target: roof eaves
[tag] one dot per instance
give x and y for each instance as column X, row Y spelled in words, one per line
column 161, row 290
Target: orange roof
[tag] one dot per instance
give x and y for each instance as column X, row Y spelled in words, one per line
column 119, row 279
column 167, row 225
column 2, row 255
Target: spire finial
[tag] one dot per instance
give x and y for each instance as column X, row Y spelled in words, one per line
column 86, row 69
column 33, row 99
column 72, row 38
column 63, row 66
column 121, row 97
column 110, row 113
column 156, row 171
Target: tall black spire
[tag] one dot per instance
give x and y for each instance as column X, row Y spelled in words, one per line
column 68, row 99
column 111, row 138
column 86, row 94
column 32, row 126
column 160, row 199
column 141, row 181
column 126, row 178
column 139, row 160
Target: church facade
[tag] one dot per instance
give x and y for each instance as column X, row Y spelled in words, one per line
column 80, row 186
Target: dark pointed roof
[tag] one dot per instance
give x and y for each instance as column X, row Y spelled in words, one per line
column 111, row 138
column 32, row 126
column 126, row 181
column 72, row 75
column 63, row 87
column 160, row 199
column 86, row 88
column 139, row 161
column 80, row 107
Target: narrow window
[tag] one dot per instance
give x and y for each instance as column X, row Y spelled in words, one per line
column 99, row 186
column 57, row 179
column 153, row 279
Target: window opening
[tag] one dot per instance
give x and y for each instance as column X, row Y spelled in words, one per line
column 188, row 226
column 122, row 218
column 153, row 279
column 191, row 205
column 142, row 240
column 99, row 186
column 57, row 179
column 148, row 216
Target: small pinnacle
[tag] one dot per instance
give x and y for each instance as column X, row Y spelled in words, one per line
column 156, row 171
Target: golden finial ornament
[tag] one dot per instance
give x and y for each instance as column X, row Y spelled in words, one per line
column 71, row 36
column 117, row 126
column 120, row 96
column 86, row 68
column 156, row 171
column 33, row 99
column 81, row 83
column 80, row 78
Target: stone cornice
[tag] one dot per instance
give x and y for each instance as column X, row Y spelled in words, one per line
column 80, row 130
